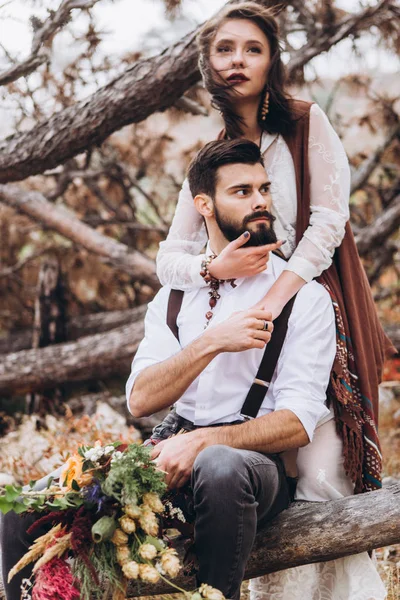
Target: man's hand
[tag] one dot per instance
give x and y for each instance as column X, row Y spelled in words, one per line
column 242, row 331
column 176, row 456
column 235, row 261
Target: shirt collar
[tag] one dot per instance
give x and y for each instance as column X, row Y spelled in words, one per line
column 266, row 141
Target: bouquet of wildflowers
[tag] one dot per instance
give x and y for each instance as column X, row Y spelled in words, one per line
column 104, row 519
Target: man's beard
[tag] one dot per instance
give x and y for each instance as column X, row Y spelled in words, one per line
column 264, row 234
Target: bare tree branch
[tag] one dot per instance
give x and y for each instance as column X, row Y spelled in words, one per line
column 67, row 224
column 148, row 86
column 190, row 106
column 376, row 233
column 40, row 52
column 361, row 175
column 342, row 29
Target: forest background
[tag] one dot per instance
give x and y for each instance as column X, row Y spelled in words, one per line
column 101, row 110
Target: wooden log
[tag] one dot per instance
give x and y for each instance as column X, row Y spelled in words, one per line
column 92, row 357
column 311, row 532
column 77, row 327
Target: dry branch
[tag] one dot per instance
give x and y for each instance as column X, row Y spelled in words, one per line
column 67, row 224
column 148, row 86
column 78, row 327
column 310, row 532
column 40, row 52
column 361, row 175
column 375, row 234
column 92, row 357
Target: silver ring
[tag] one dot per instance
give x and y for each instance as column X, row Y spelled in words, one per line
column 265, row 328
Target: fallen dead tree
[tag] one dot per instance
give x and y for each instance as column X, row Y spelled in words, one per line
column 77, row 327
column 310, row 532
column 91, row 357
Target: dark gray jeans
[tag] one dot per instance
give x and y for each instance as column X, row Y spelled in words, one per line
column 235, row 493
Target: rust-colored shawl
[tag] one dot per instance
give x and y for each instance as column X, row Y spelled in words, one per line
column 361, row 341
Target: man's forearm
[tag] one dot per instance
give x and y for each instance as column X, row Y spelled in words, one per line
column 160, row 385
column 272, row 433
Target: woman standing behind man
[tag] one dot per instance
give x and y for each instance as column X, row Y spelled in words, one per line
column 240, row 60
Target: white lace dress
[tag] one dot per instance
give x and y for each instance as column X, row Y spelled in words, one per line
column 320, row 463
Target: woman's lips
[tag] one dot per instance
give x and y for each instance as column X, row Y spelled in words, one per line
column 237, row 78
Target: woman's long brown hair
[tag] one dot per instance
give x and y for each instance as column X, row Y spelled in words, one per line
column 279, row 118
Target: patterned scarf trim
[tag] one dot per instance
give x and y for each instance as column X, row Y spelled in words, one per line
column 354, row 415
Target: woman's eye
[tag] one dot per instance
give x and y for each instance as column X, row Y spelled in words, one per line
column 223, row 49
column 255, row 50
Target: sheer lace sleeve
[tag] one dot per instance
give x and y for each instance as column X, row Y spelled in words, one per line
column 179, row 258
column 330, row 191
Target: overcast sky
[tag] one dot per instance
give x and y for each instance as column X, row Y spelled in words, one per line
column 129, row 24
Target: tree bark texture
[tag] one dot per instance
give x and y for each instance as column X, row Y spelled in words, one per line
column 376, row 234
column 310, row 532
column 59, row 218
column 92, row 357
column 77, row 327
column 150, row 85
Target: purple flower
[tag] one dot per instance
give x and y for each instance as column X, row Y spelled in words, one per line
column 93, row 493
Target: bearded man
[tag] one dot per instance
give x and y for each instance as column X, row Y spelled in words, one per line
column 203, row 361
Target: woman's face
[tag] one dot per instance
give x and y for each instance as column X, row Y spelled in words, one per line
column 240, row 53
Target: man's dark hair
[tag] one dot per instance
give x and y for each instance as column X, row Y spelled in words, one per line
column 202, row 172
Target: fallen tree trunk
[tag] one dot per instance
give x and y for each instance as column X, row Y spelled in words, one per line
column 100, row 355
column 78, row 327
column 59, row 218
column 92, row 357
column 150, row 85
column 310, row 532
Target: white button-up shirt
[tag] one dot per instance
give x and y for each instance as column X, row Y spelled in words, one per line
column 218, row 393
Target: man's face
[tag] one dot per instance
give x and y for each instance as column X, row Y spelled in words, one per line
column 242, row 203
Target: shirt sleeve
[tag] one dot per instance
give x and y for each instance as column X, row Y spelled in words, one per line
column 329, row 199
column 158, row 343
column 307, row 356
column 179, row 259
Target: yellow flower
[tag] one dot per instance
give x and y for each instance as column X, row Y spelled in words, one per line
column 152, row 500
column 119, row 538
column 132, row 510
column 123, row 554
column 210, row 593
column 148, row 574
column 127, row 524
column 170, row 562
column 72, row 470
column 148, row 521
column 148, row 551
column 130, row 569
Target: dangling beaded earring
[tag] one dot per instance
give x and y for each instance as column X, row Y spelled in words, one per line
column 265, row 107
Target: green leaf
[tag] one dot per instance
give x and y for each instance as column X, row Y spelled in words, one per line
column 50, row 481
column 5, row 506
column 19, row 508
column 88, row 464
column 32, row 483
column 75, row 485
column 12, row 492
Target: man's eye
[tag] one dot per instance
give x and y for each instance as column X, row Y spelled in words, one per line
column 242, row 192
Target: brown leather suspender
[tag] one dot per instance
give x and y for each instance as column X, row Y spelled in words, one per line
column 269, row 360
